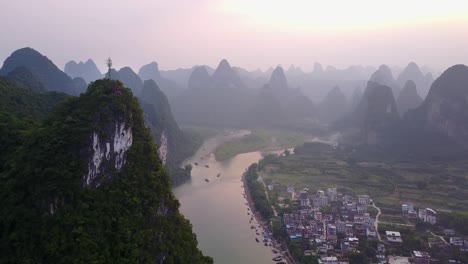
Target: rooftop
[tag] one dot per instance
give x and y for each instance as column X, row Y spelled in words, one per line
column 393, row 233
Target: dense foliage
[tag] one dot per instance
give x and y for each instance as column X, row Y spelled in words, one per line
column 180, row 144
column 258, row 192
column 46, row 72
column 21, row 110
column 47, row 216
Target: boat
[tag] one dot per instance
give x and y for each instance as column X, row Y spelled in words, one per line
column 258, row 241
column 278, row 258
column 252, row 227
column 207, row 180
column 266, row 244
column 274, row 251
column 207, row 166
column 196, row 163
column 218, row 175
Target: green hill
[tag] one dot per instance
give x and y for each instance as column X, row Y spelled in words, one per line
column 87, row 186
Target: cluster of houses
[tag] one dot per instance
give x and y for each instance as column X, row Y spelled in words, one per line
column 328, row 224
column 330, row 221
column 426, row 215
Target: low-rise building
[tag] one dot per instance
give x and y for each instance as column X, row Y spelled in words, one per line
column 349, row 244
column 329, row 260
column 427, row 215
column 421, row 257
column 331, row 229
column 371, row 233
column 394, row 238
column 449, row 232
column 456, row 241
column 363, row 199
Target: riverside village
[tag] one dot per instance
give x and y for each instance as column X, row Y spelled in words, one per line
column 330, row 228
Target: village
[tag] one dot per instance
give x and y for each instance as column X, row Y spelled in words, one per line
column 335, row 228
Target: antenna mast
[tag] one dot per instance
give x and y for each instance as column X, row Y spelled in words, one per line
column 109, row 66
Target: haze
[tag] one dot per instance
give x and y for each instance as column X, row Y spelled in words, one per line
column 249, row 34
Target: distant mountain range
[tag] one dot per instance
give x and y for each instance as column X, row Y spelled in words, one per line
column 433, row 128
column 43, row 69
column 86, row 70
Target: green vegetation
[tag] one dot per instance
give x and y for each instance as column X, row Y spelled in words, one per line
column 388, row 182
column 258, row 140
column 252, row 142
column 180, row 145
column 21, row 111
column 48, row 216
column 257, row 192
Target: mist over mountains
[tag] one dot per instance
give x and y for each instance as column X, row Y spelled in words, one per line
column 235, row 97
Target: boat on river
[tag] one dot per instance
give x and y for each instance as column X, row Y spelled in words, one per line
column 207, row 166
column 207, row 180
column 256, row 239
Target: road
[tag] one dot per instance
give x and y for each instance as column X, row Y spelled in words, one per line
column 441, row 238
column 376, row 223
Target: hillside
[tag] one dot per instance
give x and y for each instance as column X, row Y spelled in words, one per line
column 174, row 144
column 88, row 184
column 42, row 68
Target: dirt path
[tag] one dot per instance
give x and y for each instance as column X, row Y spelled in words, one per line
column 376, row 223
column 441, row 238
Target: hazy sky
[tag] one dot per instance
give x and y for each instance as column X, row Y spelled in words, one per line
column 249, row 33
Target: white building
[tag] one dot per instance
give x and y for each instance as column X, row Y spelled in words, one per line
column 329, row 260
column 428, row 215
column 364, row 199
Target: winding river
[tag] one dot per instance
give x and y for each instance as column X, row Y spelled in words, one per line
column 217, row 209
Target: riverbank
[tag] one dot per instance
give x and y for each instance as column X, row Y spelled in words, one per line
column 223, row 231
column 262, row 222
column 259, row 140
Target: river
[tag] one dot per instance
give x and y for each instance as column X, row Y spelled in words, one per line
column 217, row 209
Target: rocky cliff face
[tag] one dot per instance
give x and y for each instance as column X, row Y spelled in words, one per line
column 86, row 70
column 174, row 145
column 107, row 153
column 408, row 98
column 88, row 184
column 445, row 109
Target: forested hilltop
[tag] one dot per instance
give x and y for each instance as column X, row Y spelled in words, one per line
column 85, row 185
